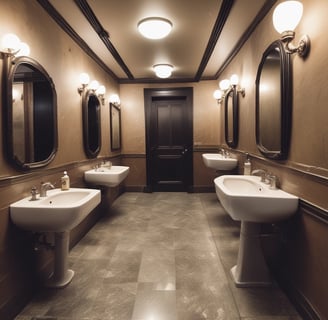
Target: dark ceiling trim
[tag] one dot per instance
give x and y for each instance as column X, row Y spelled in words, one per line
column 47, row 6
column 259, row 17
column 156, row 80
column 216, row 32
column 103, row 34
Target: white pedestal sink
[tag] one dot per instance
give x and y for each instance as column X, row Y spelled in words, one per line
column 59, row 212
column 218, row 161
column 108, row 177
column 252, row 202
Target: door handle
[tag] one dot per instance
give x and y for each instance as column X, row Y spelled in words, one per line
column 184, row 151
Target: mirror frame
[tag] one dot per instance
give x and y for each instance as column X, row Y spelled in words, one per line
column 85, row 115
column 231, row 94
column 9, row 68
column 285, row 102
column 113, row 134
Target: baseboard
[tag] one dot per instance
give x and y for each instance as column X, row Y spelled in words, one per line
column 134, row 188
column 300, row 302
column 203, row 189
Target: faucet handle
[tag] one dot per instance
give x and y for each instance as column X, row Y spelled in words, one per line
column 34, row 192
column 273, row 181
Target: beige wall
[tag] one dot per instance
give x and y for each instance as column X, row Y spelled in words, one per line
column 64, row 61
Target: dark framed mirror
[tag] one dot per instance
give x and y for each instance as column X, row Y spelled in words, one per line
column 91, row 124
column 274, row 102
column 115, row 127
column 30, row 114
column 231, row 117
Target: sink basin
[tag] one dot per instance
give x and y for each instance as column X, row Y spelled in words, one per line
column 59, row 211
column 247, row 198
column 252, row 202
column 109, row 177
column 219, row 162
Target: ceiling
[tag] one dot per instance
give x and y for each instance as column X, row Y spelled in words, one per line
column 206, row 34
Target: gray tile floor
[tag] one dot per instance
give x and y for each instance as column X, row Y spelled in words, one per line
column 159, row 256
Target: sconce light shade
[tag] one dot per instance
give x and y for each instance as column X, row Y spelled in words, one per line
column 84, row 78
column 11, row 46
column 10, row 43
column 224, row 84
column 287, row 16
column 24, row 49
column 218, row 94
column 163, row 70
column 101, row 90
column 94, row 85
column 115, row 99
column 154, row 27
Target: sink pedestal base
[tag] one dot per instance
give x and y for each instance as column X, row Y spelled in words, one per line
column 61, row 276
column 251, row 269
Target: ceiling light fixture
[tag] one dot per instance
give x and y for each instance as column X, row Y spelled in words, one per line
column 154, row 27
column 163, row 70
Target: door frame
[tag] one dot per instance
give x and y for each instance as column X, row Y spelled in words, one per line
column 149, row 94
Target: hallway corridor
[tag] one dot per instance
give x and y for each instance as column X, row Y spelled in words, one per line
column 159, row 256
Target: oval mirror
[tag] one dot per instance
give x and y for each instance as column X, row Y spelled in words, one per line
column 30, row 114
column 273, row 102
column 231, row 117
column 91, row 124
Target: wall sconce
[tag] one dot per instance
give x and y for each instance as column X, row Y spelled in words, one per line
column 84, row 80
column 94, row 86
column 286, row 17
column 115, row 99
column 11, row 46
column 218, row 96
column 225, row 86
column 100, row 92
column 234, row 82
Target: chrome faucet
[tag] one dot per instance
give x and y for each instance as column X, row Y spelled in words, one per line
column 266, row 177
column 261, row 173
column 273, row 181
column 225, row 153
column 44, row 187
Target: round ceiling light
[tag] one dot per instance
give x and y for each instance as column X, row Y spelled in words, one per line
column 154, row 28
column 163, row 70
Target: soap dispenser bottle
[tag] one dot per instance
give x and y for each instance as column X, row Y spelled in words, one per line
column 65, row 181
column 247, row 165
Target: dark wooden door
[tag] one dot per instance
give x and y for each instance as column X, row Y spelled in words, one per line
column 169, row 141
